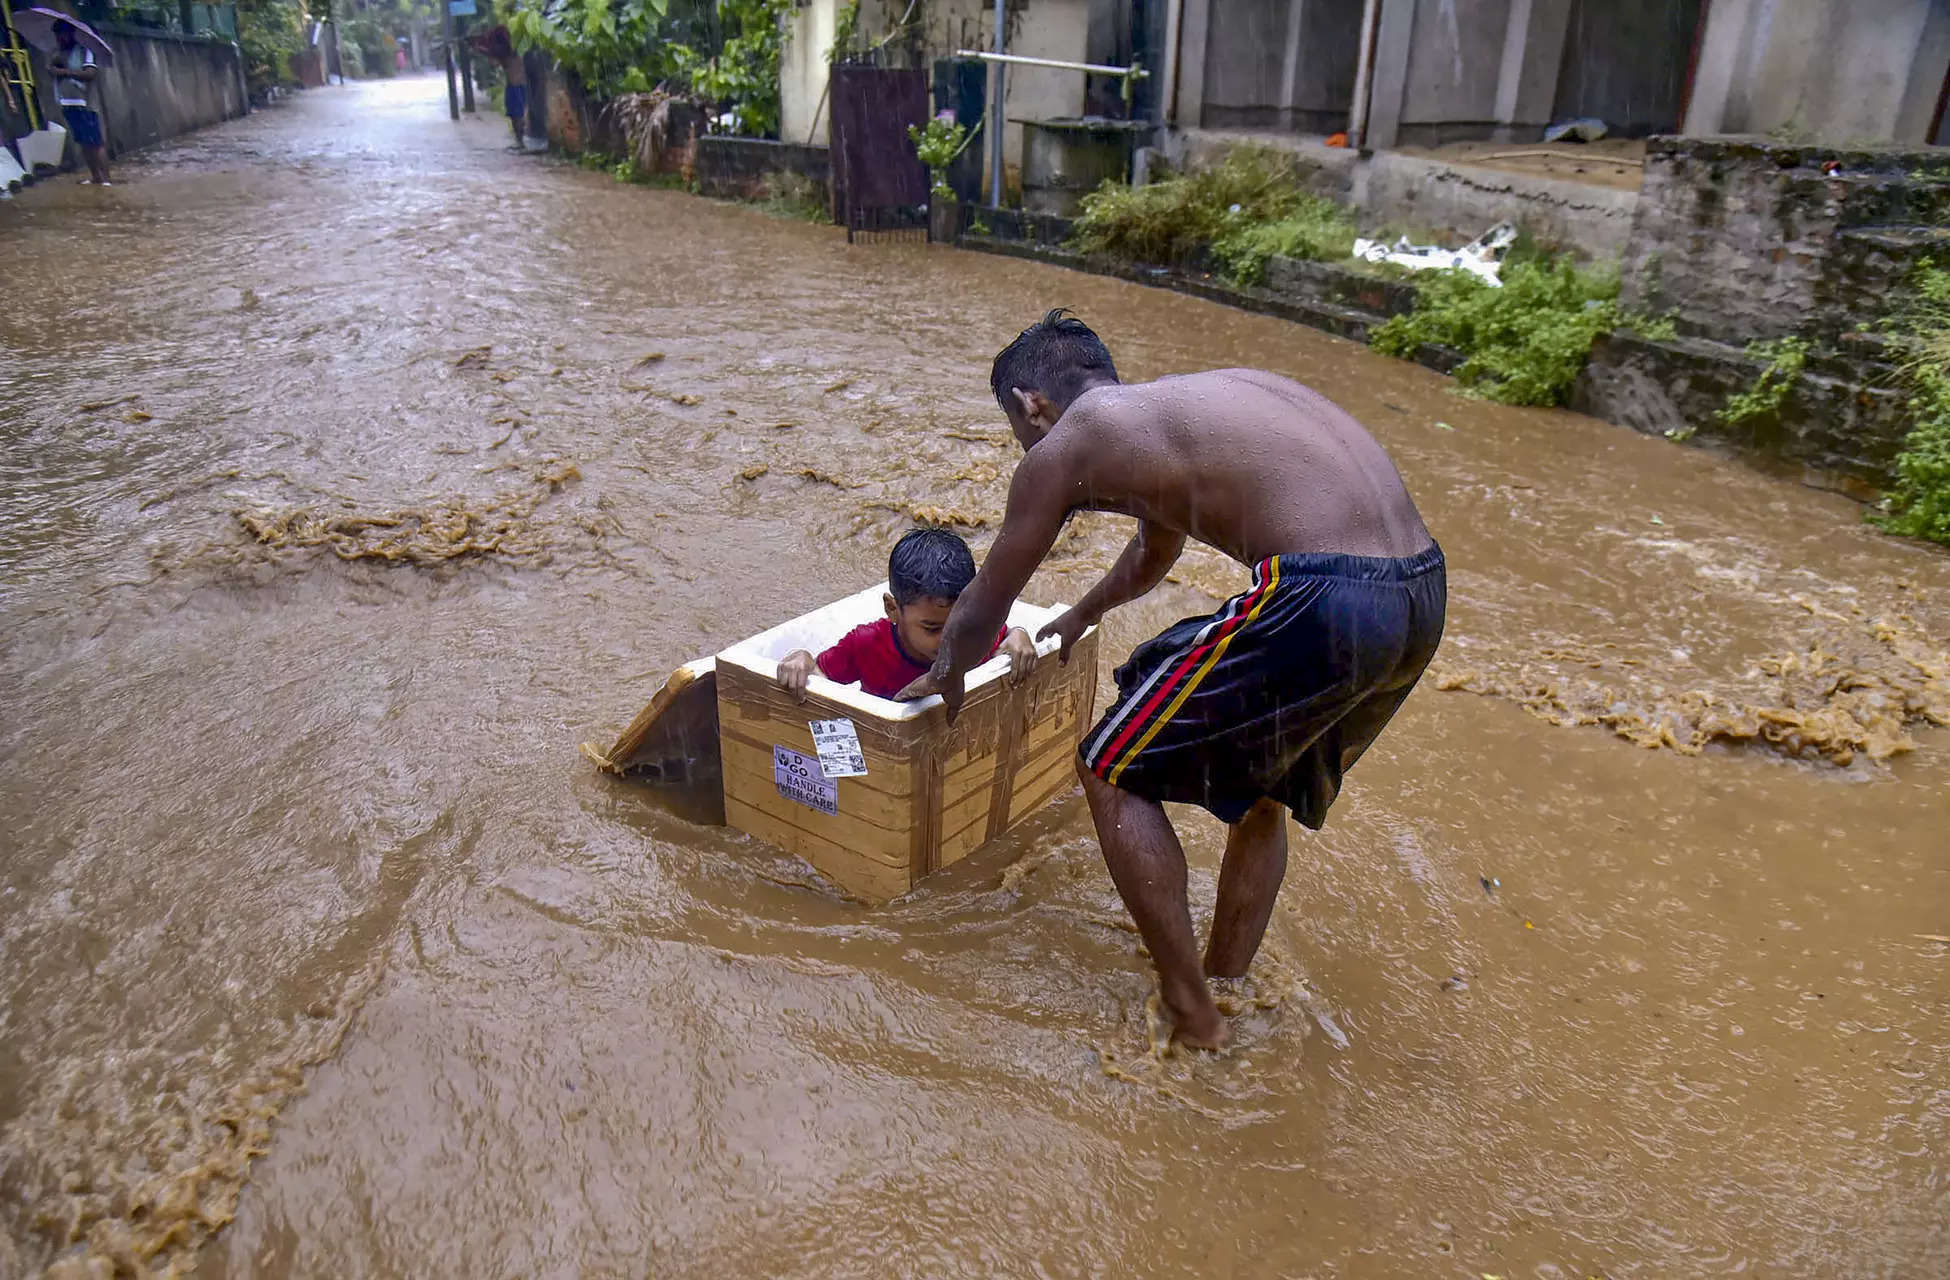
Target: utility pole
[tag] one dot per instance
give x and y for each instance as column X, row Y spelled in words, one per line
column 447, row 36
column 466, row 70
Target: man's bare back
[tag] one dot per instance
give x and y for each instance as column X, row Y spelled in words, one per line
column 1247, row 462
column 1256, row 712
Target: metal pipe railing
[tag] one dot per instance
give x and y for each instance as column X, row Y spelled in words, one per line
column 1095, row 69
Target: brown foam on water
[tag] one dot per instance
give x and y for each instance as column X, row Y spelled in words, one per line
column 128, row 1194
column 433, row 532
column 1854, row 685
column 1209, row 1083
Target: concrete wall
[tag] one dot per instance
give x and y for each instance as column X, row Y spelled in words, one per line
column 1740, row 239
column 159, row 86
column 1625, row 63
column 1389, row 192
column 744, row 168
column 1841, row 71
column 1457, row 69
column 1282, row 64
column 1455, row 55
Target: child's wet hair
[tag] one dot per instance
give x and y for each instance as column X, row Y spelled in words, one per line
column 929, row 563
column 1054, row 356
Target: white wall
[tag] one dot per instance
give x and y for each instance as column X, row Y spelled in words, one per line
column 1050, row 29
column 802, row 73
column 1840, row 70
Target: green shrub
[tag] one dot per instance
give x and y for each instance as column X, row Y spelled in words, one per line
column 794, row 195
column 1317, row 229
column 269, row 32
column 1785, row 357
column 1172, row 220
column 1919, row 505
column 1523, row 343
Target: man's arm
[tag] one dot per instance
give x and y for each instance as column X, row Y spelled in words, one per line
column 1145, row 561
column 1047, row 485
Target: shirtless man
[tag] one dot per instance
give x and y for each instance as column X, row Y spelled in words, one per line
column 1263, row 705
column 496, row 43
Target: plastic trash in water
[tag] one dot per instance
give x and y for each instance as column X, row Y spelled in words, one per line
column 42, row 147
column 1481, row 257
column 1582, row 130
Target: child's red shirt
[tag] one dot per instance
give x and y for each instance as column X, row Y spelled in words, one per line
column 872, row 655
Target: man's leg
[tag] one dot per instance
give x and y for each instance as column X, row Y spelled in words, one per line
column 1249, row 881
column 1147, row 864
column 97, row 163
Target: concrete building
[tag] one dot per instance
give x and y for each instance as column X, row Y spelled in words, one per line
column 1434, row 71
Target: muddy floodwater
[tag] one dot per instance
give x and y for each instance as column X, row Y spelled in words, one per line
column 357, row 469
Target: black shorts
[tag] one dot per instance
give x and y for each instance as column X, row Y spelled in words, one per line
column 84, row 126
column 1279, row 692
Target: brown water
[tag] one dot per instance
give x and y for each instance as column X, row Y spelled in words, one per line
column 301, row 863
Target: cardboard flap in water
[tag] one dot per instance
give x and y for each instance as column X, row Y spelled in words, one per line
column 675, row 738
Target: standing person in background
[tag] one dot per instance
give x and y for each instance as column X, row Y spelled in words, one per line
column 75, row 71
column 497, row 44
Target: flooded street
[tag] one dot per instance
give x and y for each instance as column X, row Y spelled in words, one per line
column 357, row 469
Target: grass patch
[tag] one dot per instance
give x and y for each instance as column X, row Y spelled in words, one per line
column 1245, row 210
column 1317, row 230
column 1919, row 505
column 794, row 195
column 1524, row 343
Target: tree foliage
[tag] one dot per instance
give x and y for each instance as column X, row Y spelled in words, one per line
column 269, row 32
column 613, row 46
column 1919, row 505
column 744, row 74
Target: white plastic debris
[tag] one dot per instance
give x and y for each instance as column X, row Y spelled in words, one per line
column 42, row 147
column 1481, row 257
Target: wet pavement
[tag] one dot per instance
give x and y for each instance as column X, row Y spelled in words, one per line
column 357, row 469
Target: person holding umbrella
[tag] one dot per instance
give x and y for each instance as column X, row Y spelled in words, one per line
column 75, row 70
column 77, row 56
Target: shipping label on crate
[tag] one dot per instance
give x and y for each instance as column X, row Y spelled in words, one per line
column 800, row 780
column 838, row 745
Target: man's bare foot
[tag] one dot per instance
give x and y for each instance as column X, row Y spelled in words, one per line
column 1195, row 1019
column 1213, row 1037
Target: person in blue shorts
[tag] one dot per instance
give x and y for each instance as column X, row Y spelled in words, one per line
column 75, row 72
column 500, row 46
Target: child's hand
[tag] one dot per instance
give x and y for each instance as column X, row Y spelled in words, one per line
column 1022, row 654
column 794, row 670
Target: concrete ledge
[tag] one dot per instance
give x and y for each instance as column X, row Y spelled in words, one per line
column 1840, row 427
column 740, row 168
column 1384, row 190
column 1843, row 422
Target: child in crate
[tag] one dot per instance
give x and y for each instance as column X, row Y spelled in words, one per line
column 926, row 574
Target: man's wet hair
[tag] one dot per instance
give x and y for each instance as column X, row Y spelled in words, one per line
column 929, row 563
column 1056, row 356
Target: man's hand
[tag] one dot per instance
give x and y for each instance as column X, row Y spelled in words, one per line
column 794, row 670
column 1070, row 625
column 1022, row 654
column 951, row 689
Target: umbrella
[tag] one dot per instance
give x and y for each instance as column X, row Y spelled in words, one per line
column 36, row 26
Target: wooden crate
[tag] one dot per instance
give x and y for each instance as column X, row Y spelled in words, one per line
column 931, row 794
